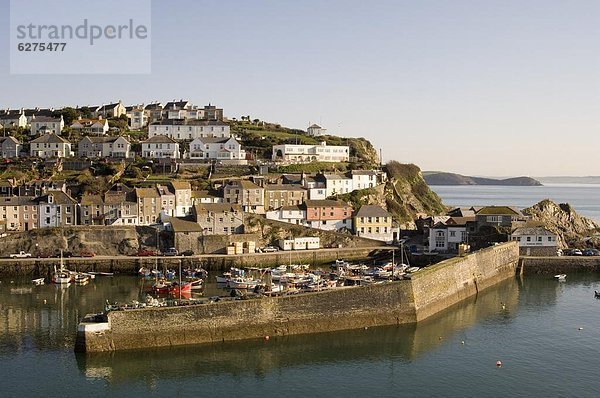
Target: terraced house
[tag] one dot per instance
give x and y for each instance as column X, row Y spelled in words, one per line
column 57, row 209
column 50, row 146
column 160, row 146
column 148, row 201
column 373, row 222
column 246, row 194
column 278, row 195
column 10, row 147
column 104, row 147
column 328, row 214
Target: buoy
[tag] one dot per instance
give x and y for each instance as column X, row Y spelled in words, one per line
column 580, row 328
column 440, row 337
column 44, row 301
column 503, row 307
column 366, row 327
column 266, row 337
column 462, row 342
column 498, row 363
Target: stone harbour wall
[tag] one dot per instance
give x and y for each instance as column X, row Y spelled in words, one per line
column 559, row 265
column 430, row 291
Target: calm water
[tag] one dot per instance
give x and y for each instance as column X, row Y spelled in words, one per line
column 585, row 198
column 537, row 338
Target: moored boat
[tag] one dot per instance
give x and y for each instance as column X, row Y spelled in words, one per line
column 81, row 278
column 561, row 277
column 38, row 281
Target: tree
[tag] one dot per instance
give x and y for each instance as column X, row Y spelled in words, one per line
column 69, row 115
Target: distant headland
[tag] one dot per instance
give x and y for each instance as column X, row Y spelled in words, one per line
column 441, row 178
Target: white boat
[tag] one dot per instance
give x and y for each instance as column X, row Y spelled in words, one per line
column 38, row 281
column 242, row 283
column 197, row 283
column 62, row 276
column 561, row 277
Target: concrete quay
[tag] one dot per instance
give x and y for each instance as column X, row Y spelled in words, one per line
column 430, row 291
column 39, row 267
column 558, row 265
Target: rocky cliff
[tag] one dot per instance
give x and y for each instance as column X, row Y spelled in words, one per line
column 572, row 229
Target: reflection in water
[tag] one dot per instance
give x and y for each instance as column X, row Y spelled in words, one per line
column 258, row 357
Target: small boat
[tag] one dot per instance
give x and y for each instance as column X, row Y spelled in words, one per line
column 172, row 288
column 95, row 273
column 38, row 281
column 197, row 284
column 81, row 278
column 242, row 283
column 596, row 294
column 561, row 277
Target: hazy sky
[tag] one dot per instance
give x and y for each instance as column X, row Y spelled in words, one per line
column 475, row 87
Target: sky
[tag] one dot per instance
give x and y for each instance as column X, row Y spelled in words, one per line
column 495, row 88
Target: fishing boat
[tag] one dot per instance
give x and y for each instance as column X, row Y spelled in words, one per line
column 38, row 281
column 62, row 276
column 172, row 288
column 242, row 283
column 561, row 277
column 197, row 284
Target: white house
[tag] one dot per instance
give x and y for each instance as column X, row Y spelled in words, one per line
column 290, row 214
column 209, row 148
column 90, row 126
column 13, row 119
column 364, row 179
column 445, row 237
column 183, row 198
column 315, row 130
column 337, row 184
column 10, row 147
column 160, row 146
column 45, row 125
column 104, row 147
column 535, row 241
column 50, row 146
column 189, row 129
column 109, row 110
column 311, row 153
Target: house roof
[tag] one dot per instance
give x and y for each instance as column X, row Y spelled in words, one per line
column 88, row 200
column 159, row 139
column 155, row 106
column 178, row 184
column 292, row 208
column 459, row 221
column 179, row 225
column 364, row 172
column 336, row 177
column 60, row 198
column 9, row 138
column 217, row 207
column 314, row 126
column 146, row 193
column 461, row 212
column 46, row 119
column 243, row 184
column 50, row 138
column 324, row 203
column 371, row 211
column 284, row 187
column 10, row 116
column 498, row 210
column 103, row 140
column 178, row 104
column 213, row 140
column 89, row 122
column 538, row 230
column 164, row 191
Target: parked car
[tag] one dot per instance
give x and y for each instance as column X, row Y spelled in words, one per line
column 591, row 252
column 572, row 252
column 145, row 253
column 171, row 251
column 187, row 253
column 270, row 249
column 20, row 254
column 87, row 253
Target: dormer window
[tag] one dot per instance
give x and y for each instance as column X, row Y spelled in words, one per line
column 50, row 199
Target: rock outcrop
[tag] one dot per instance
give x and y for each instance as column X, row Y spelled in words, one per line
column 572, row 229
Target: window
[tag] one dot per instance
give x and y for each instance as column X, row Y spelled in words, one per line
column 529, row 239
column 452, row 233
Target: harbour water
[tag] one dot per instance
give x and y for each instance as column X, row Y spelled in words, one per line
column 536, row 335
column 583, row 197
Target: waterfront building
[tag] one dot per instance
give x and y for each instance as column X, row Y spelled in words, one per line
column 104, row 147
column 278, row 195
column 92, row 210
column 148, row 200
column 246, row 194
column 50, row 146
column 373, row 222
column 120, row 206
column 90, row 126
column 9, row 213
column 57, row 209
column 167, row 201
column 10, row 147
column 219, row 218
column 189, row 129
column 28, row 213
column 321, row 152
column 446, row 236
column 328, row 214
column 183, row 197
column 46, row 125
column 160, row 146
column 535, row 240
